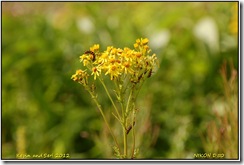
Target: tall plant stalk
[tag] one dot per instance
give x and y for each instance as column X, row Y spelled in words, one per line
column 128, row 69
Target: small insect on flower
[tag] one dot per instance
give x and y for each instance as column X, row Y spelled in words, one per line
column 140, row 77
column 129, row 128
column 150, row 73
column 93, row 57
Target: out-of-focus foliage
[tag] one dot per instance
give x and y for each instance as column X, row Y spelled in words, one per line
column 223, row 130
column 44, row 111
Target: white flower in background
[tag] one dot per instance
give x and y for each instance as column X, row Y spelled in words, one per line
column 85, row 25
column 207, row 31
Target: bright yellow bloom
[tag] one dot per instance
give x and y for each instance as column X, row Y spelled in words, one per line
column 96, row 71
column 136, row 45
column 127, row 68
column 86, row 59
column 145, row 41
column 112, row 60
column 116, row 62
column 114, row 51
column 138, row 54
column 103, row 58
column 94, row 48
column 146, row 47
column 127, row 54
column 74, row 77
column 234, row 20
column 113, row 70
column 80, row 76
column 109, row 48
column 119, row 51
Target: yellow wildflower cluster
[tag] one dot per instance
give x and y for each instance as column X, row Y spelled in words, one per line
column 118, row 63
column 127, row 68
column 81, row 77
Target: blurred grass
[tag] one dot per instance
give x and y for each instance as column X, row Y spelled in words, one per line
column 43, row 111
column 222, row 131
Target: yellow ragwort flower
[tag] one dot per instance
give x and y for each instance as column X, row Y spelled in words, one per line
column 94, row 48
column 138, row 41
column 144, row 41
column 87, row 58
column 114, row 70
column 109, row 48
column 136, row 45
column 96, row 72
column 80, row 76
column 127, row 68
column 116, row 62
column 103, row 58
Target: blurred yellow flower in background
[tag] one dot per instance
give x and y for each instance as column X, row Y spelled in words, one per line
column 234, row 20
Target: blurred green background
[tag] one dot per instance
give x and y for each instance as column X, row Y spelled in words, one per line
column 44, row 111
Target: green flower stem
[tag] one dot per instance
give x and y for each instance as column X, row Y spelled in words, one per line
column 125, row 115
column 131, row 106
column 120, row 96
column 125, row 139
column 110, row 97
column 133, row 136
column 101, row 111
column 129, row 100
